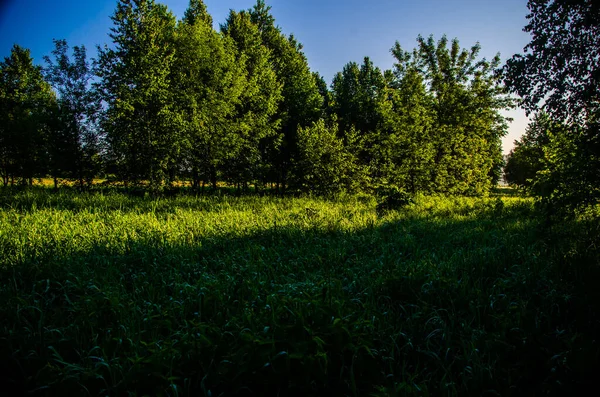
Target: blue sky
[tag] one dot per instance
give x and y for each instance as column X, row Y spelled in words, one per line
column 333, row 32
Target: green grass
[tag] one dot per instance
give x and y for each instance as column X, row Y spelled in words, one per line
column 104, row 294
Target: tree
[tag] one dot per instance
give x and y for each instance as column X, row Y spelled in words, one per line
column 345, row 89
column 197, row 12
column 567, row 180
column 467, row 96
column 560, row 72
column 301, row 100
column 142, row 125
column 404, row 156
column 325, row 94
column 526, row 159
column 74, row 144
column 209, row 82
column 359, row 101
column 26, row 103
column 258, row 120
column 358, row 95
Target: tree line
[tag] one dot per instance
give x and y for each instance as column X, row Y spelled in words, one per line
column 170, row 100
column 176, row 100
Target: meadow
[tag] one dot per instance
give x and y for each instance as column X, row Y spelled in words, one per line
column 107, row 294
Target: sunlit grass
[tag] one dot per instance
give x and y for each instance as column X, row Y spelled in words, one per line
column 108, row 294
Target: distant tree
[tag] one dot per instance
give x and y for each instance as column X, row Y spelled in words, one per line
column 404, row 155
column 197, row 12
column 345, row 88
column 209, row 81
column 431, row 124
column 74, row 142
column 467, row 96
column 526, row 159
column 257, row 113
column 142, row 125
column 301, row 102
column 560, row 72
column 26, row 105
column 326, row 94
column 359, row 92
column 359, row 101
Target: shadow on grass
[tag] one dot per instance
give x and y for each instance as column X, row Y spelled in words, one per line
column 417, row 305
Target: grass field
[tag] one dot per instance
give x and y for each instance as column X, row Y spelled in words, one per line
column 105, row 294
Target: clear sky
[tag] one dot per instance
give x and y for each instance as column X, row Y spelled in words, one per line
column 333, row 32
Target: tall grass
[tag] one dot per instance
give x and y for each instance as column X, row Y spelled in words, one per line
column 104, row 294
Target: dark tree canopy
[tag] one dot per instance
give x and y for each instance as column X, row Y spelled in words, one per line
column 26, row 105
column 74, row 142
column 560, row 67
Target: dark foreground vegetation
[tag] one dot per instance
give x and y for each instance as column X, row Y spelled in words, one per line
column 107, row 294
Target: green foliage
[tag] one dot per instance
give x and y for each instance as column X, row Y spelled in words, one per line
column 433, row 124
column 569, row 180
column 26, row 106
column 106, row 294
column 196, row 13
column 442, row 130
column 404, row 155
column 326, row 94
column 324, row 164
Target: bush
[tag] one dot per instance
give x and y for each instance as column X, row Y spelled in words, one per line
column 392, row 199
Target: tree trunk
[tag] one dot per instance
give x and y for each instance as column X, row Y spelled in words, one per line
column 213, row 178
column 283, row 183
column 171, row 175
column 195, row 179
column 81, row 181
